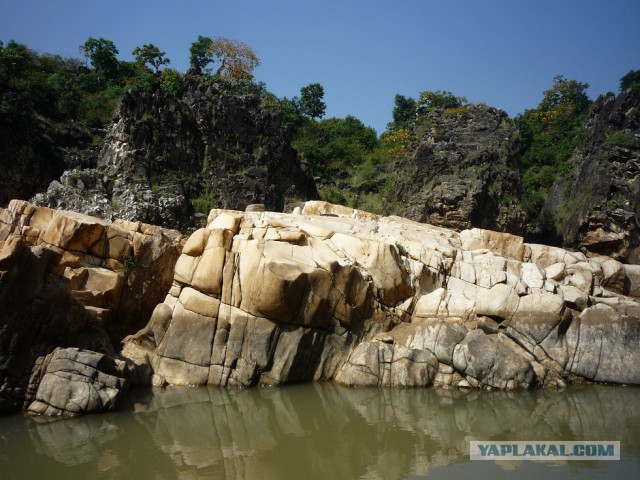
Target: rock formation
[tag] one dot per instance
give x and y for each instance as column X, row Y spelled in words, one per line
column 69, row 280
column 598, row 209
column 70, row 382
column 332, row 293
column 461, row 170
column 167, row 158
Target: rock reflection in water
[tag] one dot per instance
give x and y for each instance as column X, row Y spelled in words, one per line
column 324, row 430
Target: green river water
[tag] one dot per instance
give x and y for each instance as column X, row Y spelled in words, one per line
column 323, row 431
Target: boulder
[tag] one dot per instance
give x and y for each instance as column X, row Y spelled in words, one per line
column 71, row 382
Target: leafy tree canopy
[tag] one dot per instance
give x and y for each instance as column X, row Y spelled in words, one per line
column 566, row 99
column 551, row 133
column 102, row 54
column 310, row 103
column 150, row 54
column 630, row 80
column 404, row 111
column 333, row 144
column 435, row 100
column 199, row 55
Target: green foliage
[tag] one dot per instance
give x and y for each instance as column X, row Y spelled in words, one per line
column 204, row 203
column 130, row 263
column 150, row 54
column 332, row 145
column 311, row 104
column 293, row 119
column 618, row 139
column 572, row 206
column 630, row 80
column 401, row 250
column 404, row 111
column 199, row 54
column 435, row 100
column 551, row 133
column 135, row 76
column 66, row 89
column 459, row 112
column 102, row 54
column 171, row 82
column 397, row 143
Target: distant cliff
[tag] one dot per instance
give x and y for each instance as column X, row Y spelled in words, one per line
column 169, row 159
column 597, row 209
column 462, row 170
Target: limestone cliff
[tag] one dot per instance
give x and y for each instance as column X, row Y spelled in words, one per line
column 168, row 159
column 597, row 208
column 332, row 293
column 462, row 170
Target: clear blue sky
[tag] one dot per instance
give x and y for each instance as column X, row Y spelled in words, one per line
column 501, row 52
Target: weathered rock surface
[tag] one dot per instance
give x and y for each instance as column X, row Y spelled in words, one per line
column 166, row 160
column 119, row 270
column 37, row 313
column 461, row 171
column 332, row 293
column 69, row 280
column 71, row 382
column 598, row 211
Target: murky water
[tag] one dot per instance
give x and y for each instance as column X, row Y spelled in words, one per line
column 323, row 431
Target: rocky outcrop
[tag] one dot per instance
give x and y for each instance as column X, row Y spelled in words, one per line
column 597, row 211
column 462, row 170
column 332, row 293
column 69, row 280
column 37, row 313
column 119, row 270
column 168, row 160
column 70, row 382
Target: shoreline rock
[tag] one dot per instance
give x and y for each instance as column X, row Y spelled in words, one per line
column 70, row 280
column 328, row 293
column 335, row 294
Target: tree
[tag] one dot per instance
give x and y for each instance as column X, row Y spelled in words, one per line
column 565, row 99
column 630, row 80
column 237, row 59
column 199, row 54
column 435, row 100
column 150, row 54
column 102, row 54
column 404, row 111
column 310, row 103
column 551, row 133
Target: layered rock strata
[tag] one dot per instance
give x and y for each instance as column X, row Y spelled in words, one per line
column 332, row 293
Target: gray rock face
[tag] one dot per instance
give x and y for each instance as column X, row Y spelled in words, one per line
column 167, row 161
column 71, row 382
column 261, row 298
column 598, row 211
column 461, row 171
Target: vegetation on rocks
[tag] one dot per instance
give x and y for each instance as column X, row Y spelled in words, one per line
column 55, row 112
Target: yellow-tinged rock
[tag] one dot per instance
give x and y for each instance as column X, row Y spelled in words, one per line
column 198, row 302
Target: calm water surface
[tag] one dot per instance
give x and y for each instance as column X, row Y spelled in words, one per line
column 322, row 431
